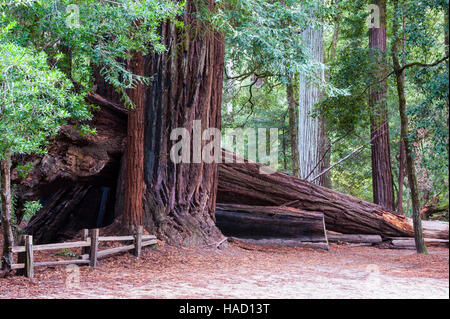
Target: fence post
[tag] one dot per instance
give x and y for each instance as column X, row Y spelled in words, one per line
column 21, row 257
column 29, row 261
column 94, row 248
column 138, row 241
column 84, row 237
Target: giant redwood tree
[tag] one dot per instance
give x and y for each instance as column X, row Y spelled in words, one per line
column 179, row 198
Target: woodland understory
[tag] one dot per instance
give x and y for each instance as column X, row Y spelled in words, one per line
column 96, row 99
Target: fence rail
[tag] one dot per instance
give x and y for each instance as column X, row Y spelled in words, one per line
column 89, row 245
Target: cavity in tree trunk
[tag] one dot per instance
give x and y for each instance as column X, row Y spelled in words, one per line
column 410, row 167
column 382, row 180
column 180, row 199
column 309, row 128
column 8, row 238
column 134, row 176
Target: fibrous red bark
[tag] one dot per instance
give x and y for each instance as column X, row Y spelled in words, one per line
column 179, row 201
column 134, row 176
column 382, row 181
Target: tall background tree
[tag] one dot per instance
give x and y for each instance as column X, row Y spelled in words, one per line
column 382, row 181
column 311, row 133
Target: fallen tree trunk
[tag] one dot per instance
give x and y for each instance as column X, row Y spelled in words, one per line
column 350, row 238
column 243, row 183
column 276, row 225
column 409, row 243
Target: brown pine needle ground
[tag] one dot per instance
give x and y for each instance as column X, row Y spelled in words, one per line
column 245, row 271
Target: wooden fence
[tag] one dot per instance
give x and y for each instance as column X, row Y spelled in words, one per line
column 89, row 244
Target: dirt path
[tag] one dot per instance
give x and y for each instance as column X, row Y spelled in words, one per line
column 246, row 271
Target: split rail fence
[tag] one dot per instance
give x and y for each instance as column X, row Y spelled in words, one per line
column 90, row 252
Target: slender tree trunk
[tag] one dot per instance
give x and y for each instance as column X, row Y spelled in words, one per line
column 284, row 146
column 382, row 180
column 410, row 167
column 8, row 238
column 402, row 155
column 134, row 176
column 309, row 136
column 179, row 201
column 326, row 144
column 293, row 128
column 401, row 176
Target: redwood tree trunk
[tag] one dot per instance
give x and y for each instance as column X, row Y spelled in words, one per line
column 180, row 199
column 8, row 238
column 310, row 131
column 382, row 181
column 134, row 176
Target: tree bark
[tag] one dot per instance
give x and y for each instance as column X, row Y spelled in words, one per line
column 180, row 199
column 410, row 166
column 382, row 180
column 309, row 128
column 401, row 176
column 134, row 176
column 293, row 129
column 5, row 191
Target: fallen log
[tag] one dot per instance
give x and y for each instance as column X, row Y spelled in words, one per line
column 435, row 229
column 409, row 243
column 283, row 242
column 243, row 183
column 350, row 238
column 284, row 226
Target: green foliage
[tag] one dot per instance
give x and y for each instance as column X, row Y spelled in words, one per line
column 65, row 252
column 268, row 110
column 264, row 39
column 29, row 209
column 92, row 33
column 35, row 100
column 24, row 169
column 264, row 52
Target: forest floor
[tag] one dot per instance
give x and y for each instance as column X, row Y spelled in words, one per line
column 244, row 271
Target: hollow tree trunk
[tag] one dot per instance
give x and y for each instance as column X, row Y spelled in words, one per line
column 179, row 201
column 243, row 184
column 5, row 191
column 382, row 181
